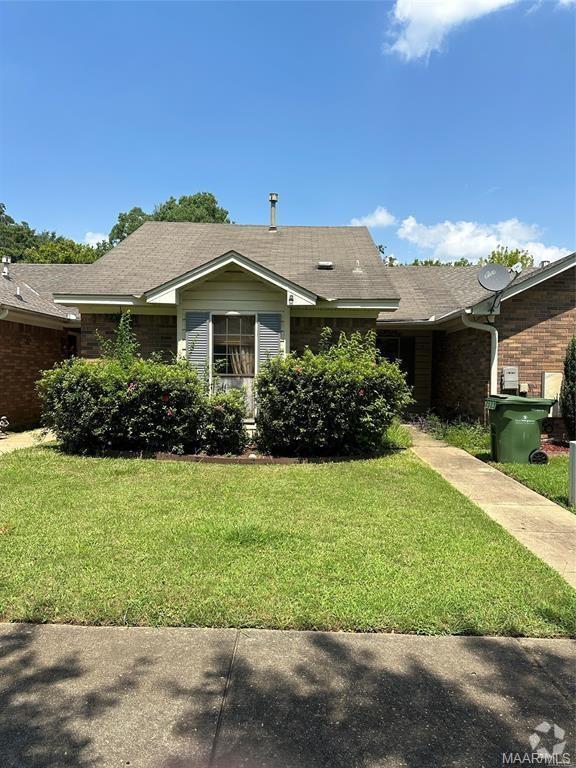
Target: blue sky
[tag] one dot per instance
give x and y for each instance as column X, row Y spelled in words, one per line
column 459, row 124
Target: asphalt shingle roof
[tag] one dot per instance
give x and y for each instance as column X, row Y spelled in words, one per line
column 28, row 298
column 161, row 251
column 427, row 292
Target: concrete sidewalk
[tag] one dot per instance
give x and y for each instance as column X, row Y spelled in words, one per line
column 81, row 697
column 545, row 528
column 27, row 439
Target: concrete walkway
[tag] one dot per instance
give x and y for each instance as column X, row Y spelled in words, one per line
column 81, row 697
column 28, row 439
column 545, row 528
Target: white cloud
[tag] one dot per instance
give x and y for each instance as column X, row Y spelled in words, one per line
column 93, row 238
column 380, row 217
column 450, row 240
column 422, row 25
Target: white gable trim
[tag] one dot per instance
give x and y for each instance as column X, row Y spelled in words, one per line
column 541, row 275
column 295, row 294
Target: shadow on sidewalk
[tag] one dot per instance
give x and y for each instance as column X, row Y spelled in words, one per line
column 39, row 706
column 347, row 707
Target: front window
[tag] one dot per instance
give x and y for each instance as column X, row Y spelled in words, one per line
column 234, row 345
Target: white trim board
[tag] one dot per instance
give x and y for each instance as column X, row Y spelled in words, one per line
column 167, row 293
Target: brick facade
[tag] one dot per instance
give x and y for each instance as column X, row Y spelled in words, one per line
column 25, row 351
column 305, row 331
column 534, row 329
column 460, row 372
column 155, row 333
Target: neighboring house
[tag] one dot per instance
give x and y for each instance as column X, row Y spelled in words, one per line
column 227, row 296
column 455, row 341
column 35, row 333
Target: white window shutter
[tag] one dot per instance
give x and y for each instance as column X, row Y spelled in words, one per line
column 198, row 339
column 269, row 327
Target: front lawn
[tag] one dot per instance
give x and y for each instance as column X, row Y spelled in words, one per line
column 550, row 480
column 383, row 544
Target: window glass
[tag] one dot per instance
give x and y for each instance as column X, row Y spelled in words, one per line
column 233, row 345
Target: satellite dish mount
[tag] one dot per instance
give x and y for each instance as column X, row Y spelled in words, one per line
column 496, row 278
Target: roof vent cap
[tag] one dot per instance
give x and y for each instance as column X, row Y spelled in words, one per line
column 544, row 263
column 325, row 265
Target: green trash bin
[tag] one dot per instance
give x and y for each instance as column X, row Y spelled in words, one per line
column 515, row 426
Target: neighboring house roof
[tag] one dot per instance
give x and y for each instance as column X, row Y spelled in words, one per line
column 430, row 293
column 17, row 294
column 158, row 252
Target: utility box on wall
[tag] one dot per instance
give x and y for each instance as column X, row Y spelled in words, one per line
column 509, row 377
column 551, row 385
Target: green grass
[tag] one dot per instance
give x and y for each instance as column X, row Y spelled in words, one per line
column 550, row 480
column 383, row 544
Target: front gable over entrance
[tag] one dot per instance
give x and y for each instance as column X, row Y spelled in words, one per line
column 168, row 292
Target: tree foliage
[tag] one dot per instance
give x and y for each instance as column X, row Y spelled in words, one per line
column 21, row 242
column 61, row 251
column 508, row 257
column 568, row 391
column 200, row 207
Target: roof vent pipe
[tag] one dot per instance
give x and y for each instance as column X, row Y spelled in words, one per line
column 273, row 197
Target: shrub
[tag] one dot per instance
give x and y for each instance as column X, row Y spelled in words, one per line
column 568, row 391
column 140, row 406
column 224, row 431
column 468, row 434
column 337, row 402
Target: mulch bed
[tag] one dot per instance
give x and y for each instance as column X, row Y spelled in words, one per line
column 555, row 448
column 246, row 458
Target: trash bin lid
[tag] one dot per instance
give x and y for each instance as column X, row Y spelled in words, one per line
column 494, row 401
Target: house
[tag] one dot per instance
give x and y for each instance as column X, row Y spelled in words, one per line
column 35, row 333
column 456, row 340
column 227, row 296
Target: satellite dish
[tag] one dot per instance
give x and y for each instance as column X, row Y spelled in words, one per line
column 494, row 277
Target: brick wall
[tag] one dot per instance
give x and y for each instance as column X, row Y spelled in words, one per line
column 155, row 333
column 534, row 329
column 460, row 372
column 25, row 351
column 305, row 331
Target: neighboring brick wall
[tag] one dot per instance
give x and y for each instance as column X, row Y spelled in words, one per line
column 25, row 351
column 534, row 330
column 155, row 333
column 460, row 372
column 305, row 331
column 535, row 327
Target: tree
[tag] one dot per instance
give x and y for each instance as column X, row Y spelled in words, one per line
column 389, row 261
column 508, row 257
column 200, row 207
column 61, row 251
column 16, row 237
column 568, row 390
column 127, row 223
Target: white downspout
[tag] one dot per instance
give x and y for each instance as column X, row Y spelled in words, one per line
column 493, row 331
